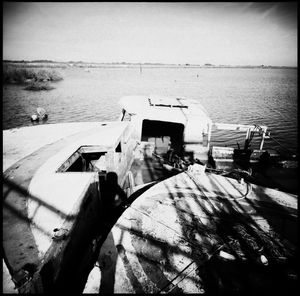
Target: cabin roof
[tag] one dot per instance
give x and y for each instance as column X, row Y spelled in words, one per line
column 164, row 108
column 155, row 101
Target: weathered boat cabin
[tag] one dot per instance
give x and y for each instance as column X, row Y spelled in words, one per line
column 182, row 125
column 168, row 123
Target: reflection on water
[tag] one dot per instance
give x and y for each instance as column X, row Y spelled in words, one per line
column 259, row 96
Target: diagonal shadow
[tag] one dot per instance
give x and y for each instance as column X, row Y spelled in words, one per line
column 24, row 218
column 231, row 231
column 263, row 213
column 249, row 241
column 27, row 250
column 17, row 188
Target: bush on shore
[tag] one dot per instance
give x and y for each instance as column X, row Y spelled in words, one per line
column 36, row 85
column 15, row 75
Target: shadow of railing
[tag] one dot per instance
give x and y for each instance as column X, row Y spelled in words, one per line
column 247, row 241
column 264, row 206
column 13, row 186
column 232, row 203
column 18, row 227
column 230, row 231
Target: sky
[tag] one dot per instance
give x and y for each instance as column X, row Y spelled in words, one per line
column 219, row 33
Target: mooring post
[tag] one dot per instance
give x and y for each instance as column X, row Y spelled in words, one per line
column 262, row 139
column 247, row 134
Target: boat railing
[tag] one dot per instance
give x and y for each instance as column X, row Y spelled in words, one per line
column 249, row 129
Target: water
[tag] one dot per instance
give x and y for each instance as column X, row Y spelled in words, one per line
column 230, row 95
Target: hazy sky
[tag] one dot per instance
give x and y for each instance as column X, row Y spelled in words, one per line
column 235, row 33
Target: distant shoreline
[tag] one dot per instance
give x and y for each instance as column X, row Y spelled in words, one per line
column 54, row 64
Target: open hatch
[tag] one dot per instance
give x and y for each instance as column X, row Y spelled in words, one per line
column 86, row 159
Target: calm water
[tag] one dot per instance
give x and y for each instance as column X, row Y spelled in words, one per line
column 249, row 96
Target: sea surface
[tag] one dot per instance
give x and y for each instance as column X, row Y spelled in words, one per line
column 230, row 95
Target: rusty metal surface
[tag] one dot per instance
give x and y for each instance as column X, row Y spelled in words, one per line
column 165, row 241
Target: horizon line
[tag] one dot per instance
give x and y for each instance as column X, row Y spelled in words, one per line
column 144, row 63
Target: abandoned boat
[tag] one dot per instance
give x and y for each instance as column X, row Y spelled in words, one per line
column 52, row 199
column 182, row 127
column 181, row 216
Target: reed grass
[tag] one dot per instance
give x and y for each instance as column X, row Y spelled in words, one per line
column 39, row 86
column 34, row 77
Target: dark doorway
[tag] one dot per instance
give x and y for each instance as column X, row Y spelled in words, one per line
column 164, row 134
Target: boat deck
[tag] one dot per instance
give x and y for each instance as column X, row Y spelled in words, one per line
column 201, row 234
column 149, row 170
column 170, row 237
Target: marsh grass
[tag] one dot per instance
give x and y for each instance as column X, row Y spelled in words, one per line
column 35, row 79
column 39, row 86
